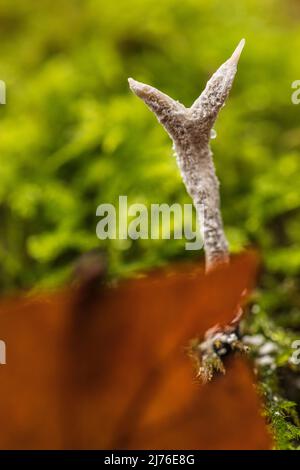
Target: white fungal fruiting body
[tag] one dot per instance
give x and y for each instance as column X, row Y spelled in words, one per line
column 190, row 129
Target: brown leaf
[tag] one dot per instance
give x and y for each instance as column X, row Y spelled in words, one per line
column 107, row 368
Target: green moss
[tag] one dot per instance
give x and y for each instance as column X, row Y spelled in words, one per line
column 277, row 380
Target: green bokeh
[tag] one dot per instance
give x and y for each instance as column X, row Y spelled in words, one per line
column 73, row 136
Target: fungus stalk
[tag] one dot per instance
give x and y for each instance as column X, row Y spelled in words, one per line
column 190, row 130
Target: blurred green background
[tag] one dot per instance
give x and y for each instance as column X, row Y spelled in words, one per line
column 72, row 136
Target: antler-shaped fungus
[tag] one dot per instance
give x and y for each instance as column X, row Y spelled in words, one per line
column 190, row 129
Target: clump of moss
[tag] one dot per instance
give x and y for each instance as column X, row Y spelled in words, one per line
column 278, row 378
column 208, row 355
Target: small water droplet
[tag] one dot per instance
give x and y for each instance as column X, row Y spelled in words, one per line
column 213, row 134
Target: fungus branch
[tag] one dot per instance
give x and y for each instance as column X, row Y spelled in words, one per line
column 190, row 130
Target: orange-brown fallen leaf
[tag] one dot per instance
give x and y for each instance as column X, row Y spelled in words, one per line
column 107, row 368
